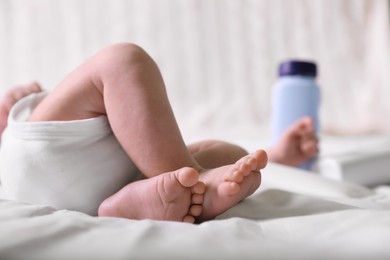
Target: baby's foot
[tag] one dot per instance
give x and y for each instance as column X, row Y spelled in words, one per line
column 11, row 97
column 174, row 196
column 228, row 185
column 297, row 144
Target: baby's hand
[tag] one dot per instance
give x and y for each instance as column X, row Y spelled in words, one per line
column 11, row 97
column 297, row 144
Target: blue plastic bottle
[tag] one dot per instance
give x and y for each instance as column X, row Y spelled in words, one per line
column 294, row 96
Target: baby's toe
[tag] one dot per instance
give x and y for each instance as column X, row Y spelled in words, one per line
column 197, row 198
column 189, row 219
column 261, row 159
column 195, row 210
column 187, row 176
column 198, row 188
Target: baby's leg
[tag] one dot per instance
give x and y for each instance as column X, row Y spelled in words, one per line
column 124, row 83
column 11, row 97
column 174, row 196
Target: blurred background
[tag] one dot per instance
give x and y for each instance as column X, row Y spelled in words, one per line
column 219, row 58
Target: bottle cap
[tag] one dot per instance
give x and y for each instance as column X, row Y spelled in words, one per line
column 298, row 67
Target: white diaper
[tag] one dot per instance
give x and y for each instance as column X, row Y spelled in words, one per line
column 65, row 164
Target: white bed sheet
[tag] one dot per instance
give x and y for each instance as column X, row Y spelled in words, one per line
column 293, row 215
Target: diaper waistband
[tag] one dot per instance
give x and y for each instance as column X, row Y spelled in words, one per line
column 19, row 125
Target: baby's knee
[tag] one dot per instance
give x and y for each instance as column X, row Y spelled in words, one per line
column 119, row 64
column 123, row 55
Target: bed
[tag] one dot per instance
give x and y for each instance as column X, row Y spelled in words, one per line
column 293, row 215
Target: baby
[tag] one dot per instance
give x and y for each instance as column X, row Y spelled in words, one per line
column 105, row 141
